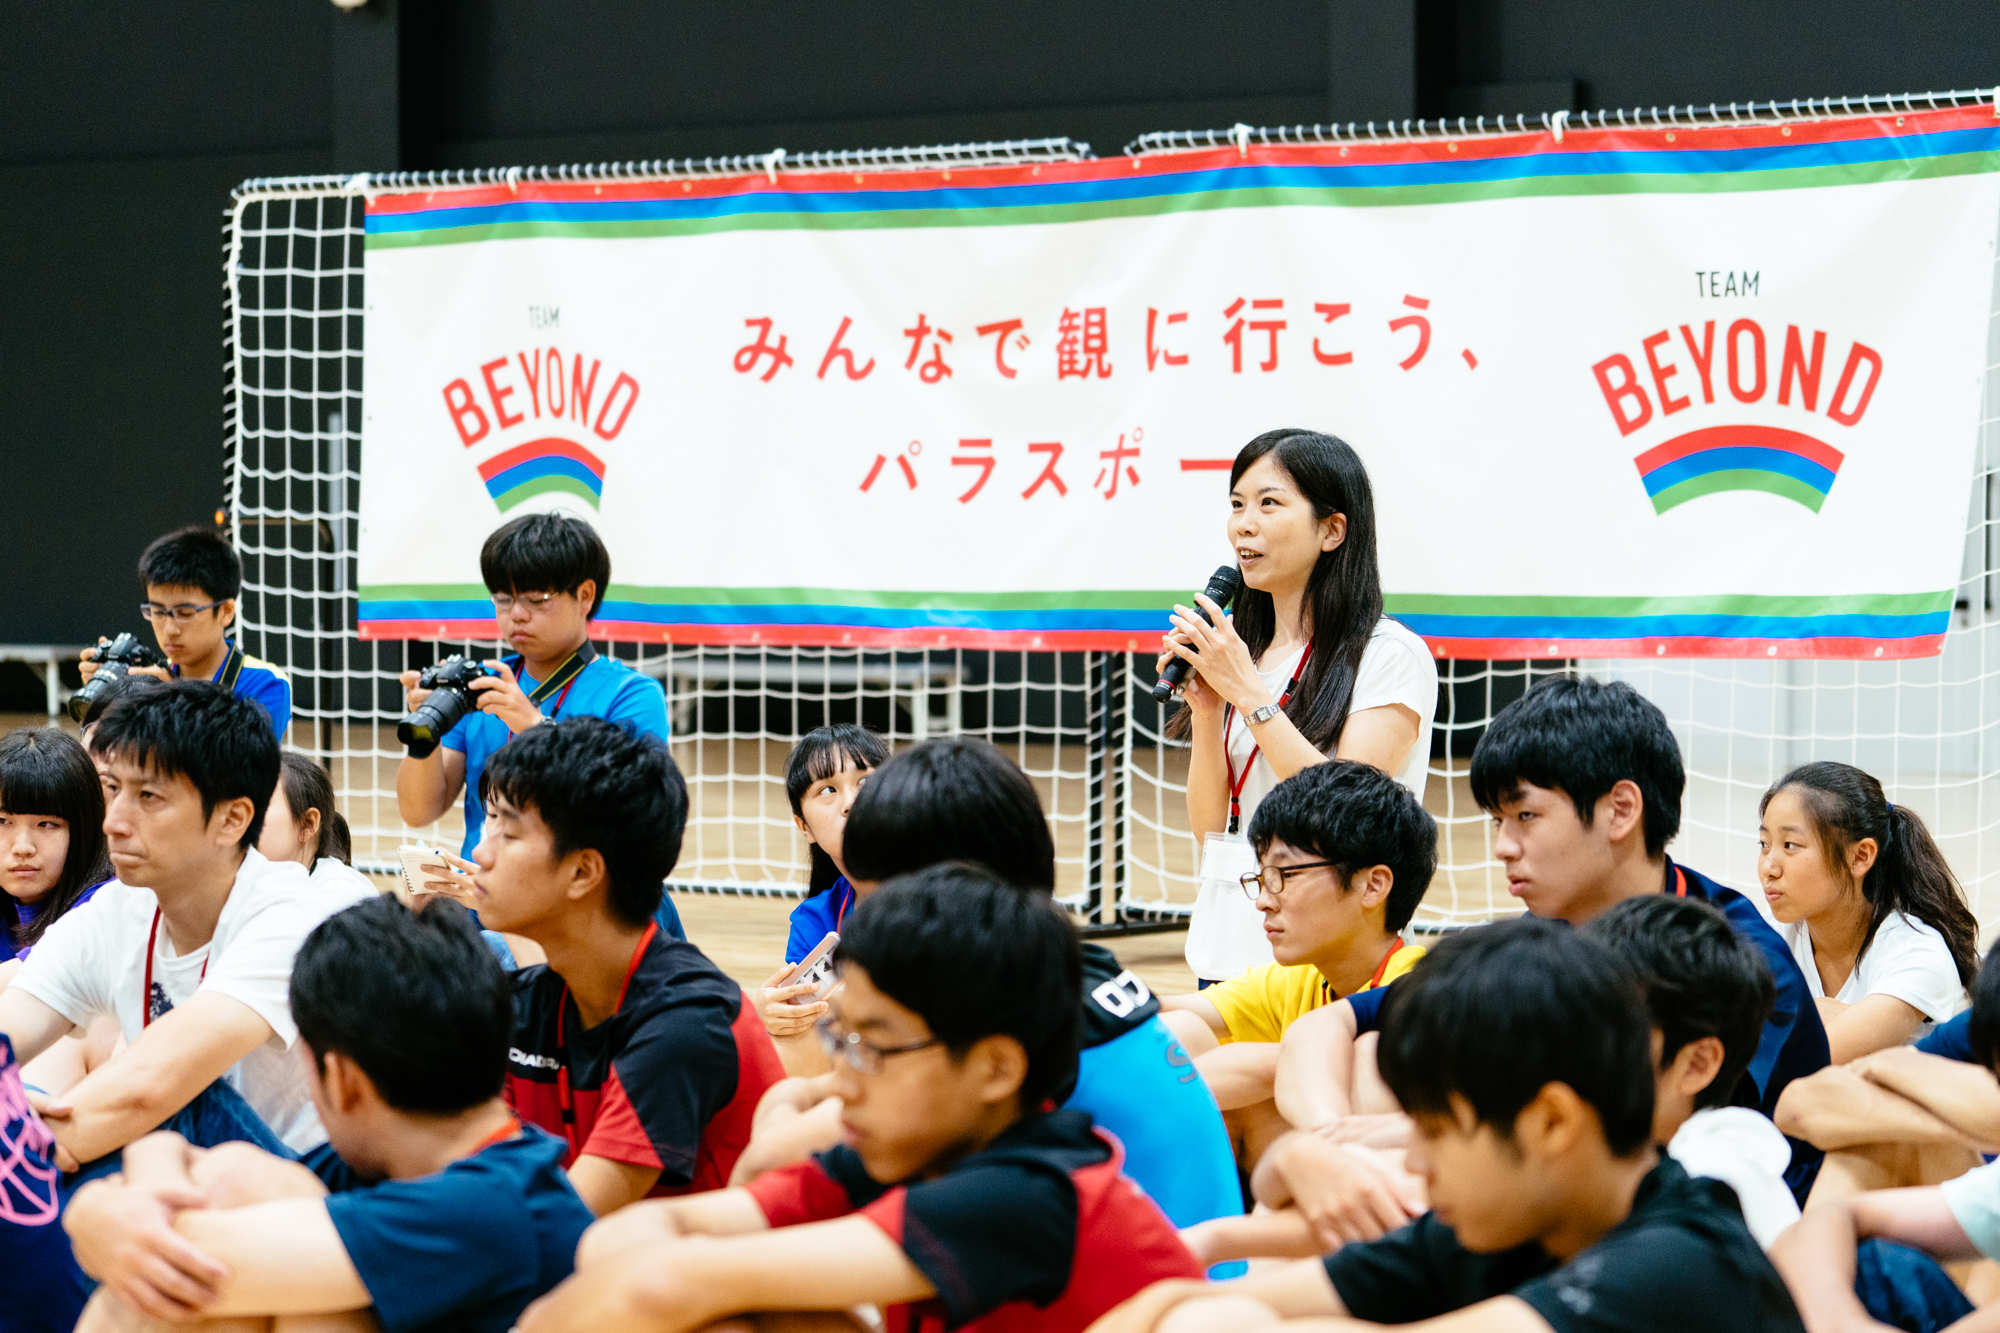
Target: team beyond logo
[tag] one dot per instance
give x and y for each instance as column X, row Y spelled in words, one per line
column 517, row 470
column 1737, row 456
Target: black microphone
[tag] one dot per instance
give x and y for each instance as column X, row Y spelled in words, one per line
column 1223, row 585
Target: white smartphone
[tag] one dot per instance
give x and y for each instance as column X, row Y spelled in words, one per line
column 816, row 968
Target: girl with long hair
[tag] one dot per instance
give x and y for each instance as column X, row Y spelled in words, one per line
column 1874, row 916
column 1306, row 667
column 302, row 825
column 52, row 854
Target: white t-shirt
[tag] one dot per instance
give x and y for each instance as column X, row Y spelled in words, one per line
column 1974, row 1200
column 1226, row 933
column 1907, row 959
column 335, row 875
column 92, row 962
column 1746, row 1152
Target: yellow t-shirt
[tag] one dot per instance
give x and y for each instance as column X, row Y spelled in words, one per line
column 1263, row 1002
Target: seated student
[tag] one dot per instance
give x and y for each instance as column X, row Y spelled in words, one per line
column 52, row 857
column 628, row 1043
column 1873, row 913
column 1346, row 854
column 1583, row 779
column 191, row 579
column 956, row 1200
column 1906, row 1115
column 1523, row 1051
column 301, row 824
column 190, row 950
column 431, row 1207
column 958, row 799
column 822, row 777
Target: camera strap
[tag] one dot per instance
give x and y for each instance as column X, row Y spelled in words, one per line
column 232, row 667
column 560, row 679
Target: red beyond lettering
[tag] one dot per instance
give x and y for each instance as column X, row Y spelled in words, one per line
column 1745, row 353
column 531, row 384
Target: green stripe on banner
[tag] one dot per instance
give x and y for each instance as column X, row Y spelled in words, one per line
column 1388, row 196
column 1728, row 604
column 528, row 490
column 1738, row 479
column 944, row 601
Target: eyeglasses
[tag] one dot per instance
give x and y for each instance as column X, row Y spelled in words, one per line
column 183, row 613
column 1271, row 879
column 503, row 603
column 862, row 1057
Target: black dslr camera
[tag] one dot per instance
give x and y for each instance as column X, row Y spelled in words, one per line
column 450, row 684
column 115, row 661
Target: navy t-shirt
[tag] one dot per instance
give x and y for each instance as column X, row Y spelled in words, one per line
column 1952, row 1039
column 466, row 1249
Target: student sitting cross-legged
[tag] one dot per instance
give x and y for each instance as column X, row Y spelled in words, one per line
column 955, row 799
column 431, row 1207
column 190, row 951
column 1583, row 779
column 629, row 1043
column 1345, row 855
column 956, row 1200
column 1524, row 1054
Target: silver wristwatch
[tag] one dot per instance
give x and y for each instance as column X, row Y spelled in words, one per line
column 1264, row 714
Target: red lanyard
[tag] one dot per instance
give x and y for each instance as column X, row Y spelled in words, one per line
column 1680, row 883
column 563, row 1094
column 1381, row 970
column 1229, row 716
column 847, row 902
column 500, row 1135
column 146, row 995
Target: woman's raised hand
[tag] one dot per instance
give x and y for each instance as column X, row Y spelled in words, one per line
column 1221, row 660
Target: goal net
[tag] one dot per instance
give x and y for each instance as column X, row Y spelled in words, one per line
column 1083, row 726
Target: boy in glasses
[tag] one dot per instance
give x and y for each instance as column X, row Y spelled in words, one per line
column 1345, row 853
column 191, row 579
column 629, row 1043
column 955, row 1200
column 548, row 574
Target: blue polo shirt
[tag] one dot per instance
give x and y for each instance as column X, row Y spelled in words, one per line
column 607, row 688
column 262, row 684
column 818, row 914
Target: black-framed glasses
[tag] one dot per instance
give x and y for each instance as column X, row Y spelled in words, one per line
column 863, row 1057
column 1271, row 879
column 183, row 613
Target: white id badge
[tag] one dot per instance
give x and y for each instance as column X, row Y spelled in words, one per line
column 1226, row 934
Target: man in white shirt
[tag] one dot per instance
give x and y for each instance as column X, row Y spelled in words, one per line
column 191, row 950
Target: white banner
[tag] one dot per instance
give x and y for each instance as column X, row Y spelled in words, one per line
column 1705, row 393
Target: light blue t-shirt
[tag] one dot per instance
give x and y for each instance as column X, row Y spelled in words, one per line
column 607, row 688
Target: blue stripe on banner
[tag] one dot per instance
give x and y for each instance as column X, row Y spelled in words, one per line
column 1669, row 627
column 1666, row 162
column 652, row 613
column 553, row 466
column 1721, row 460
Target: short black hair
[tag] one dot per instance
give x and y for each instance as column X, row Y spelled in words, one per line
column 1355, row 816
column 219, row 741
column 974, row 957
column 1700, row 979
column 1982, row 1030
column 597, row 785
column 195, row 557
column 416, row 999
column 546, row 553
column 950, row 799
column 1583, row 737
column 821, row 753
column 1497, row 1012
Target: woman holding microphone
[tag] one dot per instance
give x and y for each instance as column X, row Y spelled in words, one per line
column 1307, row 668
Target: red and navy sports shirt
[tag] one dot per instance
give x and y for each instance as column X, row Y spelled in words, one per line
column 1039, row 1231
column 670, row 1081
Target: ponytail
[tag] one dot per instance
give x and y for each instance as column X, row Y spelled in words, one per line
column 308, row 786
column 1910, row 874
column 335, row 841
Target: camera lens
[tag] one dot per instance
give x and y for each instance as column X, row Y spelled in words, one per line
column 102, row 682
column 427, row 724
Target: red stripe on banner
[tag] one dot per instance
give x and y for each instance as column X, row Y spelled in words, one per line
column 1926, row 645
column 1740, row 437
column 554, row 446
column 1207, row 464
column 788, row 636
column 1472, row 148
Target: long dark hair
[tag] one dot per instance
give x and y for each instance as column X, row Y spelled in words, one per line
column 821, row 753
column 309, row 787
column 1910, row 874
column 44, row 771
column 1343, row 598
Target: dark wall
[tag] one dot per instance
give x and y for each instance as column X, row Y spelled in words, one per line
column 124, row 123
